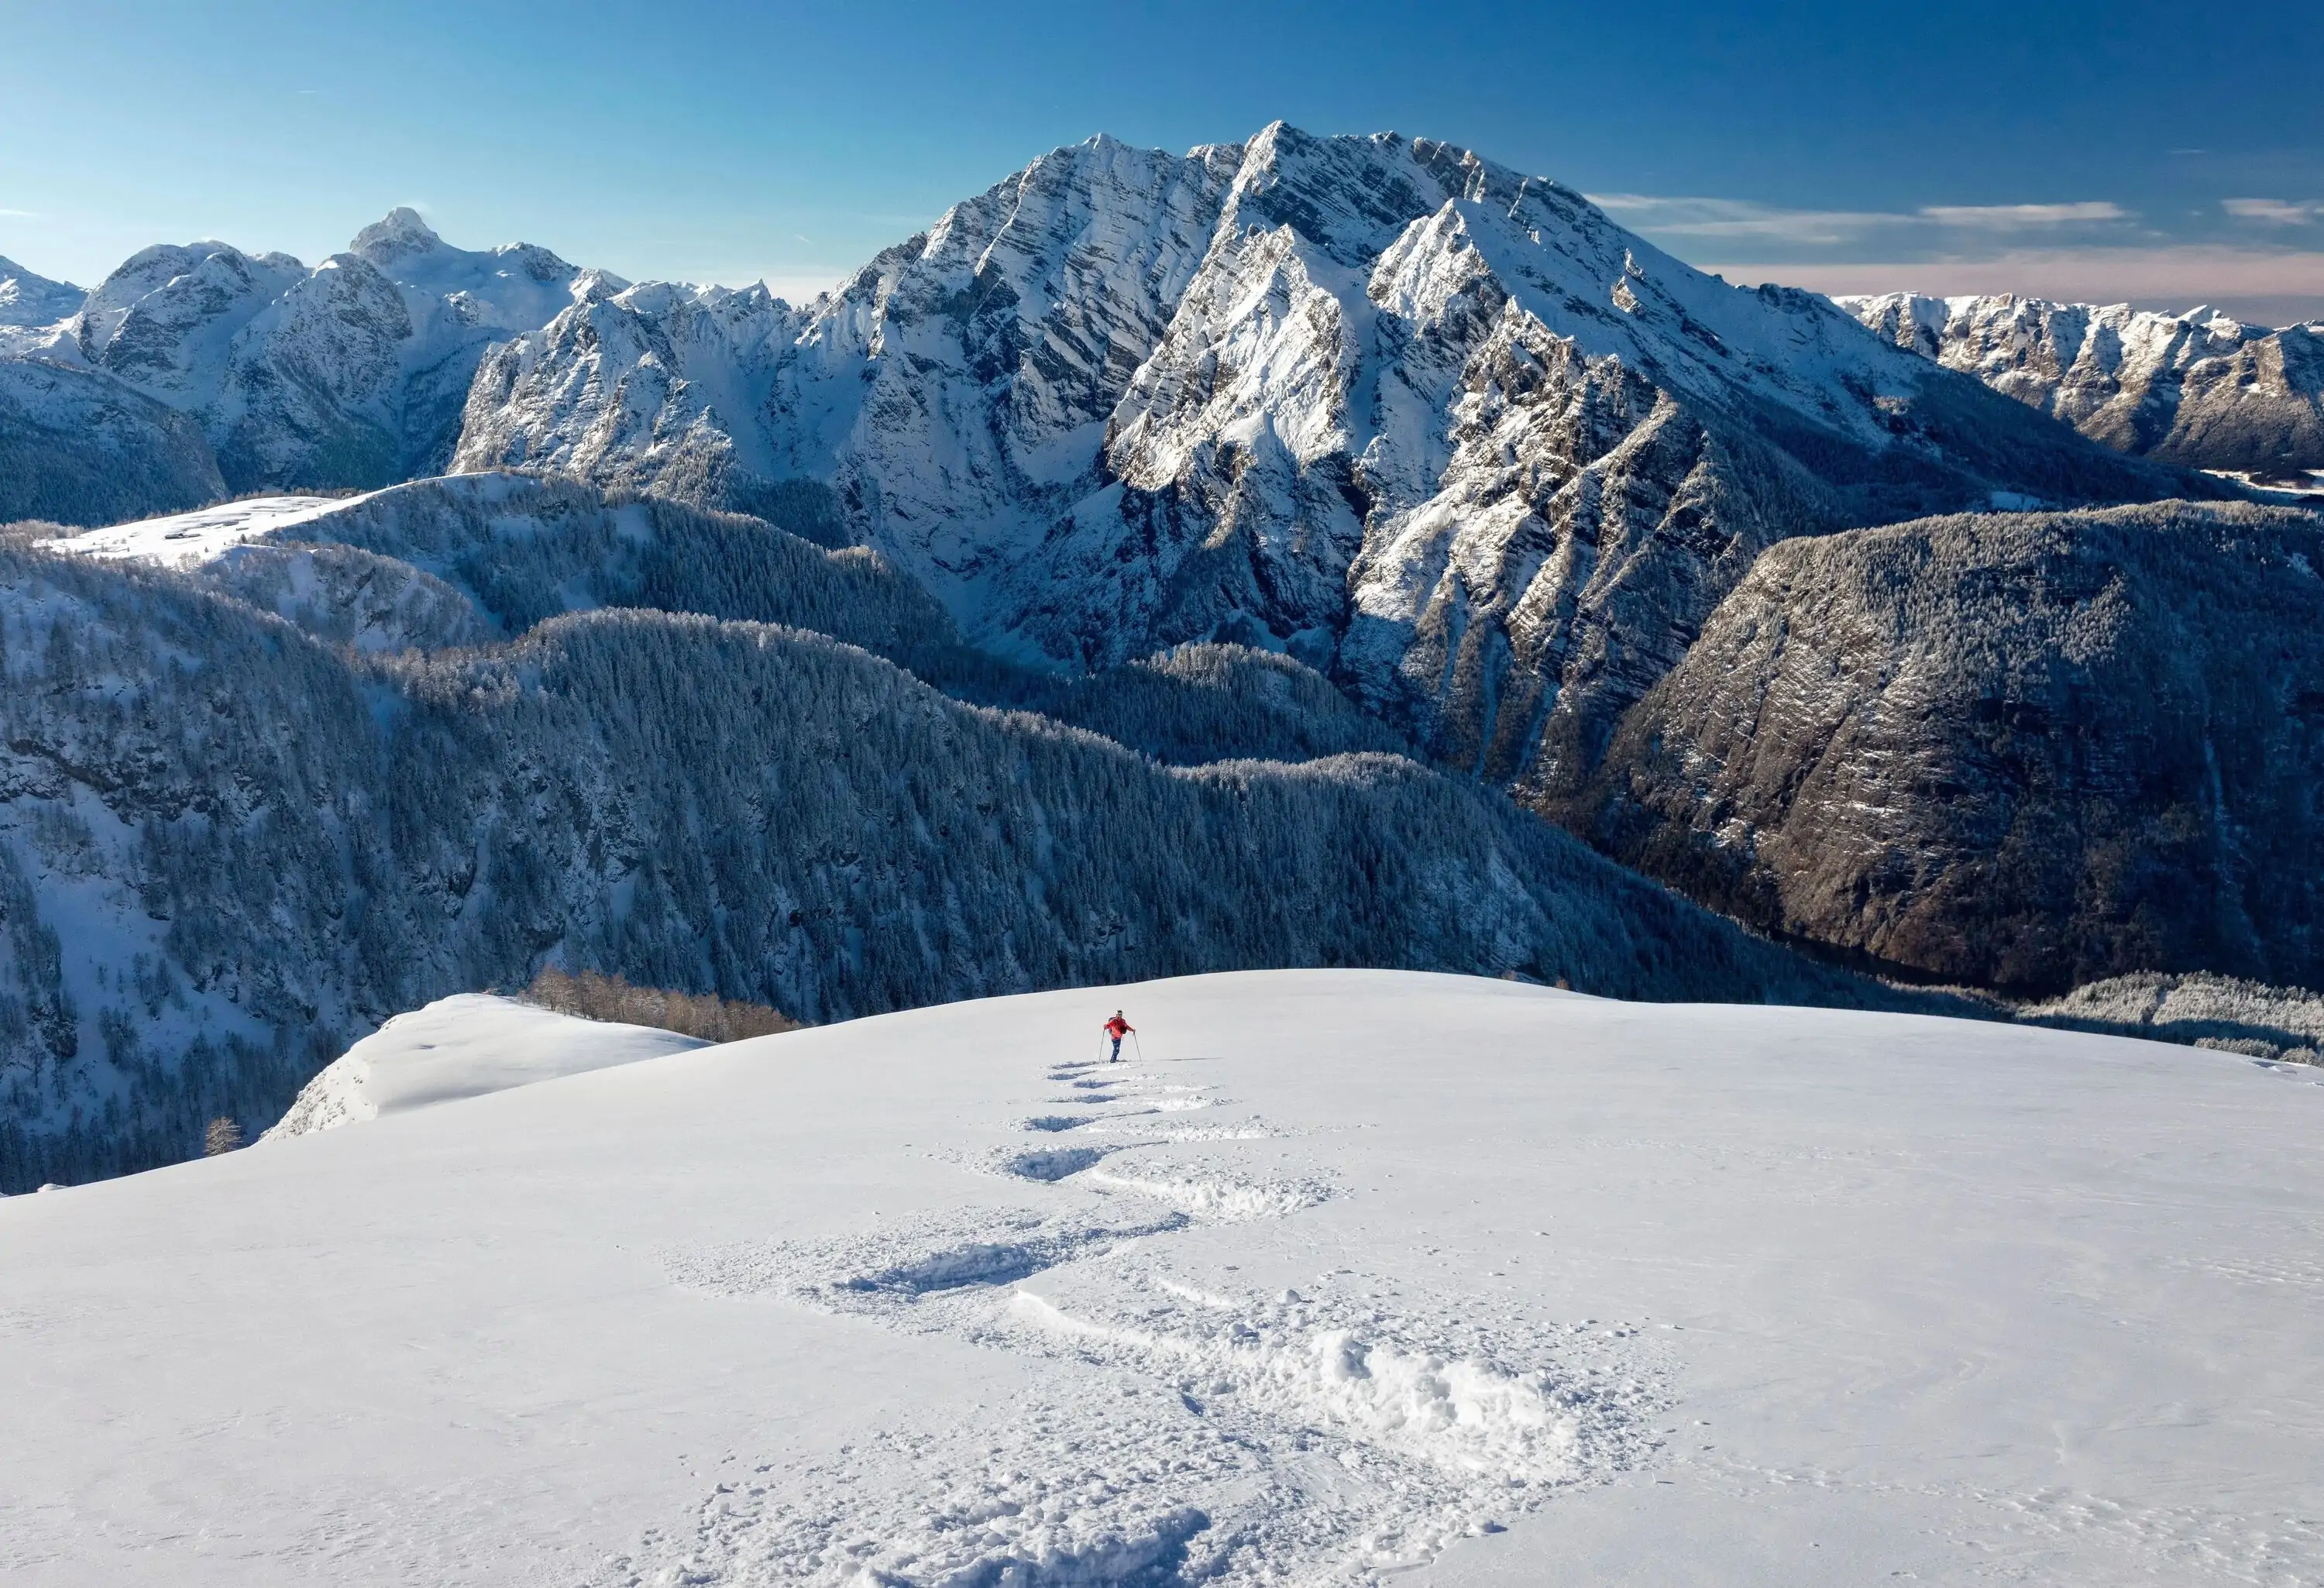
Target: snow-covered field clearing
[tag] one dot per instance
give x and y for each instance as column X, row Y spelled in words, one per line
column 1348, row 1270
column 183, row 539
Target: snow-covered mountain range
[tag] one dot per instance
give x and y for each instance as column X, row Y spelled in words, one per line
column 28, row 300
column 351, row 374
column 2198, row 388
column 1252, row 482
column 1439, row 430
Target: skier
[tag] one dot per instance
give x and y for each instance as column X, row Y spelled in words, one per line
column 1117, row 1028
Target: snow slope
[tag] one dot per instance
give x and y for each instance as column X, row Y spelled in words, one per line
column 1348, row 1270
column 464, row 1046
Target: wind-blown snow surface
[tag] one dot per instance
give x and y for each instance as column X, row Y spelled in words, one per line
column 464, row 1046
column 1348, row 1270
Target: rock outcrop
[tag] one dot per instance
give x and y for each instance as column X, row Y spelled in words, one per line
column 2025, row 750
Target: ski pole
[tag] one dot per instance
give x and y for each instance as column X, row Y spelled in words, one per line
column 1140, row 1047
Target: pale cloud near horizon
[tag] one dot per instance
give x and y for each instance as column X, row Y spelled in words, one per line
column 2012, row 217
column 2281, row 211
column 2185, row 275
column 1697, row 216
column 1694, row 216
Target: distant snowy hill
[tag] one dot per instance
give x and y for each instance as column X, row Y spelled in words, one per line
column 1351, row 1278
column 464, row 1046
column 2197, row 388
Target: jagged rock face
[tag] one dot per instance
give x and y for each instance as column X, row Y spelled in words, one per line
column 2198, row 388
column 78, row 448
column 1439, row 427
column 954, row 393
column 352, row 374
column 2019, row 751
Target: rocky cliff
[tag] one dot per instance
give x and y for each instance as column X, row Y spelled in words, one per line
column 2025, row 750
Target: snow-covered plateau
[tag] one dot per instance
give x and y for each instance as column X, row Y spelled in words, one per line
column 1345, row 1274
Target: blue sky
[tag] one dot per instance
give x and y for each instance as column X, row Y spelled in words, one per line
column 2165, row 153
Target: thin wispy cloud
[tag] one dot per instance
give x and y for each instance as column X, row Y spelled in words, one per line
column 2278, row 211
column 1692, row 216
column 2023, row 217
column 20, row 214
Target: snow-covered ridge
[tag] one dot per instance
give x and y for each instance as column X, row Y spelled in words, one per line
column 469, row 1045
column 2198, row 388
column 1603, row 1292
column 426, row 740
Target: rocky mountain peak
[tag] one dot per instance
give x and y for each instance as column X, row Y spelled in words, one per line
column 399, row 233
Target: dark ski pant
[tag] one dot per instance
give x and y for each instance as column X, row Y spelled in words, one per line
column 1117, row 1052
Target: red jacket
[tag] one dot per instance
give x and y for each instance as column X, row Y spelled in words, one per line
column 1117, row 1028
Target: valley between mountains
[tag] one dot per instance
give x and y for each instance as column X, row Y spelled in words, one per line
column 1308, row 550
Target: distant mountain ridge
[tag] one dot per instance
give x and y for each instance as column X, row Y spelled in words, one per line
column 348, row 375
column 27, row 299
column 2198, row 388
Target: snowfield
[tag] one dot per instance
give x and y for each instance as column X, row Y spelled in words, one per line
column 188, row 538
column 1345, row 1273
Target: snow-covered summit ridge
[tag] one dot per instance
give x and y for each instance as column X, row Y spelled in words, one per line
column 2198, row 388
column 469, row 1045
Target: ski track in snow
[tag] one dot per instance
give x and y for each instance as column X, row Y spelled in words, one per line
column 1324, row 1435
